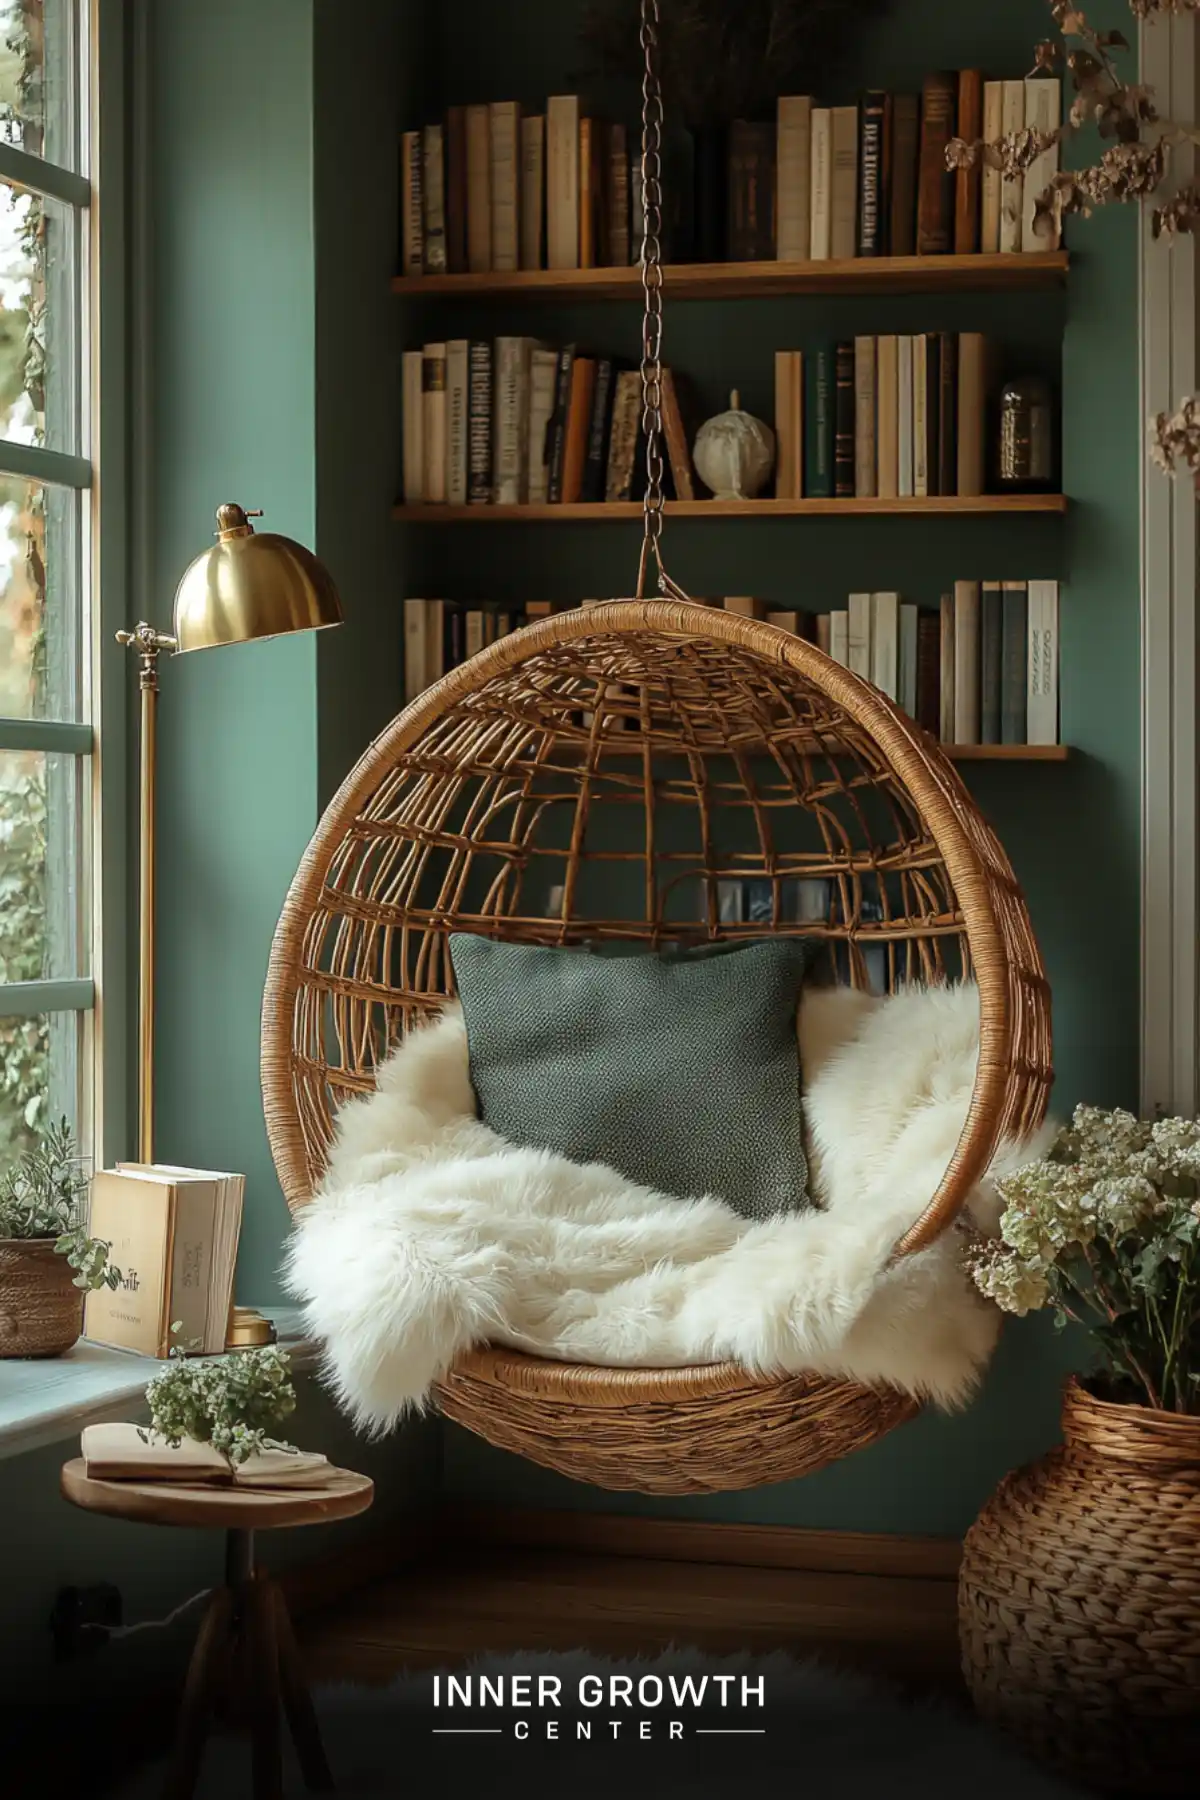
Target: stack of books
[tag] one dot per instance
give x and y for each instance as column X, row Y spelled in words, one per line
column 981, row 670
column 173, row 1234
column 516, row 421
column 884, row 416
column 498, row 188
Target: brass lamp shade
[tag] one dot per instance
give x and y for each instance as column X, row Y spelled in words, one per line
column 251, row 585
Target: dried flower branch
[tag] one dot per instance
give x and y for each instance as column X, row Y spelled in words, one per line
column 1131, row 169
column 1175, row 437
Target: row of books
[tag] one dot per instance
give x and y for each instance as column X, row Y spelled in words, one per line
column 982, row 669
column 517, row 421
column 493, row 187
column 871, row 179
column 884, row 416
column 497, row 187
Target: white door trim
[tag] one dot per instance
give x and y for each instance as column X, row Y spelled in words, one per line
column 1170, row 917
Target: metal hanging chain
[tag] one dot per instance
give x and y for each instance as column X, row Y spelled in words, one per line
column 652, row 283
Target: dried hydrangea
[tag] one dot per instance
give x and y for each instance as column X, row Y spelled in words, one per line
column 1175, row 437
column 1106, row 1230
column 236, row 1402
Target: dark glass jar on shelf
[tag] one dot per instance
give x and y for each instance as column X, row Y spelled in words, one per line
column 1025, row 437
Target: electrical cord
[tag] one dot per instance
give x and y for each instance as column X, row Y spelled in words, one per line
column 122, row 1631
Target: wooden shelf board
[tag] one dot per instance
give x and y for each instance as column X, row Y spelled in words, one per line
column 610, row 512
column 718, row 281
column 1007, row 752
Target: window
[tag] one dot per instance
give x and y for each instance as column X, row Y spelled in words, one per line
column 47, row 556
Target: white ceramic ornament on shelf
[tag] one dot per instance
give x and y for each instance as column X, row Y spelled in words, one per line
column 734, row 453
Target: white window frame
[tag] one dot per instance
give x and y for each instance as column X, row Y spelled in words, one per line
column 95, row 190
column 1170, row 985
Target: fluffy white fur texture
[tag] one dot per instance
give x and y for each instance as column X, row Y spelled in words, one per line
column 430, row 1234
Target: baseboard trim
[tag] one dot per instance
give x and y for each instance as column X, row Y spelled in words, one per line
column 690, row 1540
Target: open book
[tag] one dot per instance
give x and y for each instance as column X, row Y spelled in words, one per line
column 117, row 1452
column 174, row 1236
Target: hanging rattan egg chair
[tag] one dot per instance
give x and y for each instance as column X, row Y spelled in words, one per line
column 595, row 777
column 598, row 776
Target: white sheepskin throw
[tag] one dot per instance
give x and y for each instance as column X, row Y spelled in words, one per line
column 430, row 1235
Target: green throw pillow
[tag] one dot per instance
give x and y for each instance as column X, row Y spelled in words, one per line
column 679, row 1068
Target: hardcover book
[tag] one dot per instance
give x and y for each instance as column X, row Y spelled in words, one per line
column 967, row 181
column 479, row 423
column 871, row 223
column 935, row 182
column 562, row 181
column 479, row 189
column 819, row 408
column 793, row 177
column 751, row 191
column 843, row 439
column 456, row 190
column 174, row 1235
column 434, row 200
column 412, row 204
column 504, row 131
column 843, row 202
column 533, row 190
column 902, row 208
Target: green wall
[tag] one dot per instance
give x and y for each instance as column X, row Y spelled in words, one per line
column 1072, row 831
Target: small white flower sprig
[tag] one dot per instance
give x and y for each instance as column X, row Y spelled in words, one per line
column 1106, row 1230
column 235, row 1402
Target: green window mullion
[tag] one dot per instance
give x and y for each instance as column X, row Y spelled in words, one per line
column 42, row 177
column 50, row 736
column 26, row 999
column 57, row 467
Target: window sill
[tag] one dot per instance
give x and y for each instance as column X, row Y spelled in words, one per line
column 50, row 1400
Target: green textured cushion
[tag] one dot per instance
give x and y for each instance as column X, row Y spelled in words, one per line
column 679, row 1068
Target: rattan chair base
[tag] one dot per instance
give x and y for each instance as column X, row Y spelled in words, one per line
column 703, row 1430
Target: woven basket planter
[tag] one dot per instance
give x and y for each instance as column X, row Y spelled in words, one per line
column 1079, row 1600
column 41, row 1309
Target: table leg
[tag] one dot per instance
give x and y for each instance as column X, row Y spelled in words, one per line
column 306, row 1733
column 263, row 1649
column 212, row 1648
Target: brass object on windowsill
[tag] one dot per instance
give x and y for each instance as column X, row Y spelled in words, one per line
column 248, row 1329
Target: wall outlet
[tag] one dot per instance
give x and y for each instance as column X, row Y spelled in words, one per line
column 82, row 1618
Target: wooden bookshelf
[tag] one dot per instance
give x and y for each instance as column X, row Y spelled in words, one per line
column 611, row 512
column 755, row 280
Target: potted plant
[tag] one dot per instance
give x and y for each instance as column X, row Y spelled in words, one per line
column 1079, row 1595
column 47, row 1259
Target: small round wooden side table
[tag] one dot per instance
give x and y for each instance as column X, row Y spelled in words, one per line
column 245, row 1630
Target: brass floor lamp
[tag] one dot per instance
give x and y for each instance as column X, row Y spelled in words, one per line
column 247, row 585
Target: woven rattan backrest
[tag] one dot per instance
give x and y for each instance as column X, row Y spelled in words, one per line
column 599, row 776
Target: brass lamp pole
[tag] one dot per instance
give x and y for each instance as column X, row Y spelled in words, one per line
column 248, row 585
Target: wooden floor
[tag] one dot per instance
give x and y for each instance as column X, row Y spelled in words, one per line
column 469, row 1598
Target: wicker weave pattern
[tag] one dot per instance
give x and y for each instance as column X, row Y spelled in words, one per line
column 41, row 1309
column 1079, row 1600
column 595, row 777
column 667, row 1431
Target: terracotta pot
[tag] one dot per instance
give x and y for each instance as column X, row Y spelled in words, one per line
column 41, row 1309
column 1079, row 1600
